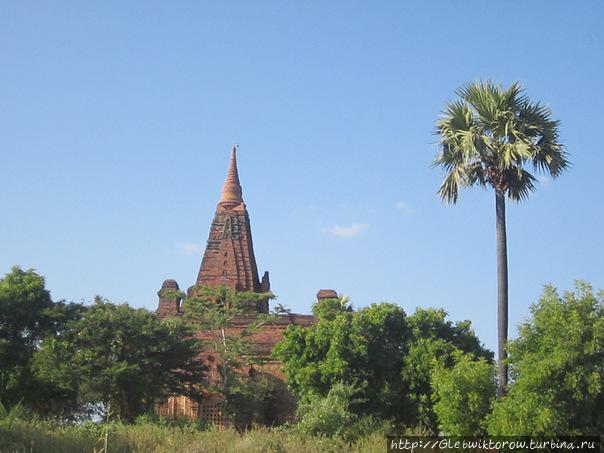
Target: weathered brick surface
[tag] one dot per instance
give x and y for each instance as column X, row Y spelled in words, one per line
column 326, row 294
column 267, row 336
column 229, row 256
column 169, row 300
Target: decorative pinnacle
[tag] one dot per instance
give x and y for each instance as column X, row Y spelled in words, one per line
column 231, row 191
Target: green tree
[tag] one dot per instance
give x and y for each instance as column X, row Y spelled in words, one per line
column 434, row 342
column 379, row 341
column 363, row 350
column 463, row 395
column 215, row 311
column 557, row 366
column 488, row 137
column 254, row 400
column 330, row 308
column 379, row 351
column 25, row 306
column 330, row 415
column 128, row 360
column 54, row 380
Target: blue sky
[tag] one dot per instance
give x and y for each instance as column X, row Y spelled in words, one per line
column 117, row 119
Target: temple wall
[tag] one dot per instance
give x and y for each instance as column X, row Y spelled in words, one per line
column 263, row 343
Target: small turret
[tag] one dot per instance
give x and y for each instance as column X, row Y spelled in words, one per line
column 326, row 294
column 169, row 299
column 265, row 285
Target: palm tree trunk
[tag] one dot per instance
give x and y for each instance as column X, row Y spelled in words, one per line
column 502, row 290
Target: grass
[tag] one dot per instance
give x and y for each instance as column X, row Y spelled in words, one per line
column 38, row 436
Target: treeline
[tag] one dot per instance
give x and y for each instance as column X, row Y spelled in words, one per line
column 69, row 361
column 376, row 369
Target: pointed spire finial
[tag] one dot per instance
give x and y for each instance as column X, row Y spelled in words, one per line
column 231, row 191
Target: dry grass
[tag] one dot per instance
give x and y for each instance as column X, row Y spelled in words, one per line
column 22, row 436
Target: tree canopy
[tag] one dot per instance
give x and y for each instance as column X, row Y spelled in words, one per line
column 385, row 356
column 27, row 315
column 490, row 135
column 434, row 343
column 129, row 360
column 557, row 365
column 463, row 395
column 65, row 360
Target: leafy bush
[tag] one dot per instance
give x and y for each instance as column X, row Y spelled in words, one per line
column 331, row 415
column 463, row 396
column 8, row 417
column 434, row 342
column 557, row 367
column 385, row 354
column 328, row 416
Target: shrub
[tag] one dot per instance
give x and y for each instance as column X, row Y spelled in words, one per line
column 331, row 416
column 557, row 366
column 463, row 396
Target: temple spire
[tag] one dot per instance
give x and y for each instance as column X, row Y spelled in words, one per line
column 231, row 191
column 229, row 256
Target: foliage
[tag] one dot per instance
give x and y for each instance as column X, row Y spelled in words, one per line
column 433, row 343
column 490, row 134
column 463, row 395
column 161, row 436
column 8, row 417
column 64, row 359
column 362, row 350
column 185, row 423
column 58, row 380
column 127, row 359
column 558, row 367
column 24, row 319
column 387, row 356
column 280, row 309
column 253, row 400
column 68, row 361
column 216, row 309
column 331, row 415
column 331, row 307
column 28, row 317
column 488, row 137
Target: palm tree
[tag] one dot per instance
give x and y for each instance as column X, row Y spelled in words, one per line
column 488, row 137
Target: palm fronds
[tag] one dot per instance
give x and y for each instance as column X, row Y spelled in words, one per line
column 490, row 134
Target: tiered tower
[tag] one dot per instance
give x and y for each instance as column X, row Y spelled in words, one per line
column 229, row 258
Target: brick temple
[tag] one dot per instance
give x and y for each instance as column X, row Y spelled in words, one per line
column 229, row 261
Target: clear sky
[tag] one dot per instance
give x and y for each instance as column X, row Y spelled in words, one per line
column 117, row 118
